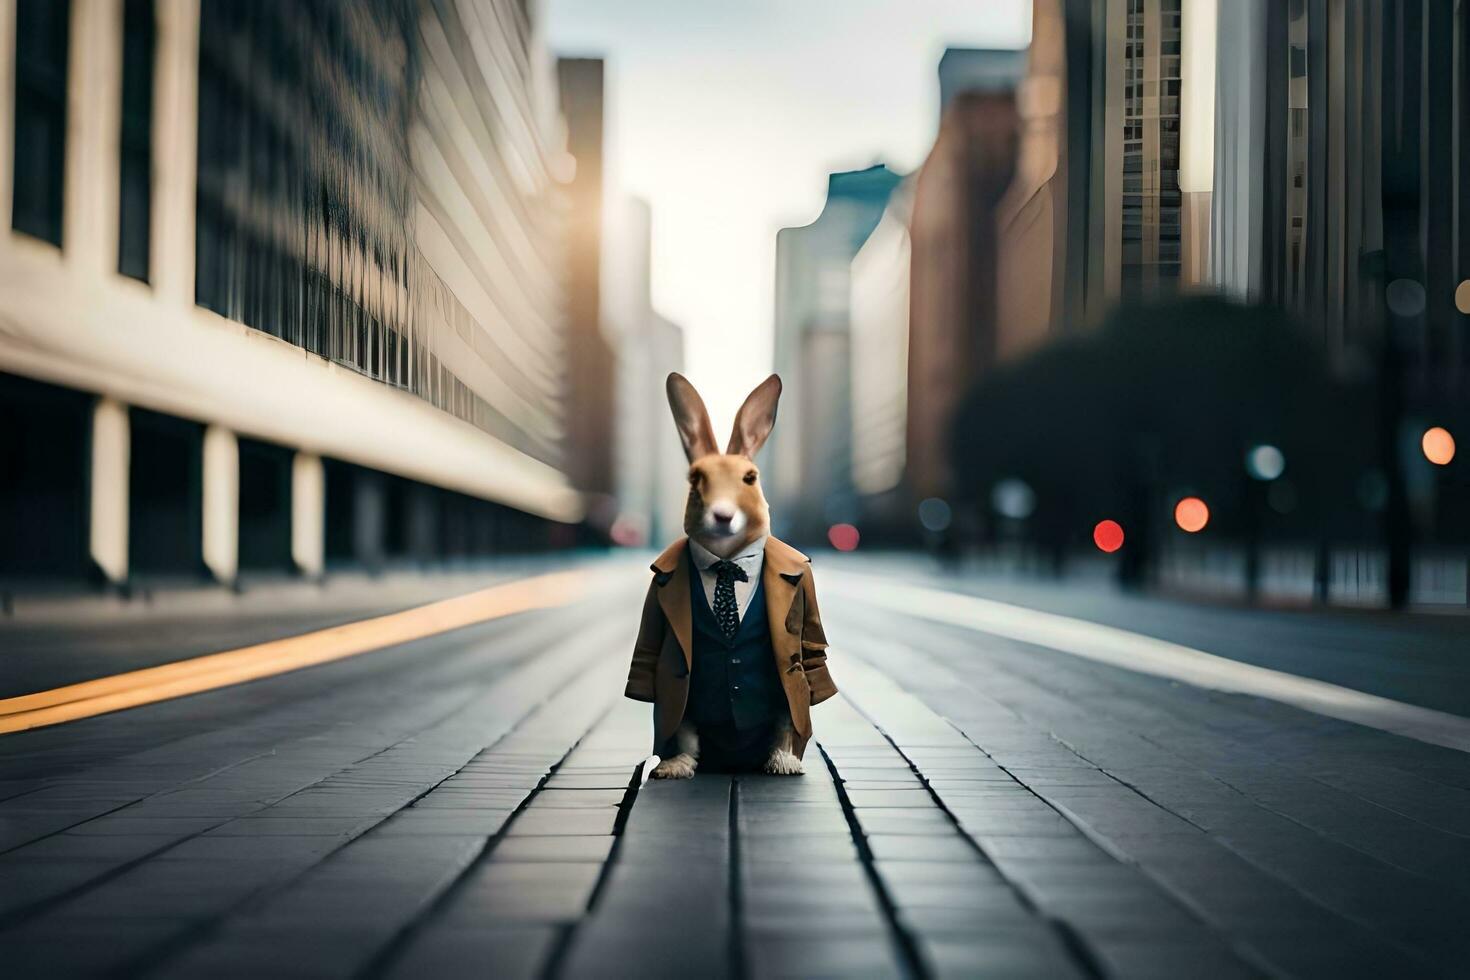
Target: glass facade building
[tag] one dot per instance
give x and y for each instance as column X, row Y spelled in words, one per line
column 305, row 259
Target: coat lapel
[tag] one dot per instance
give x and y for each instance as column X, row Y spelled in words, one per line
column 781, row 576
column 671, row 573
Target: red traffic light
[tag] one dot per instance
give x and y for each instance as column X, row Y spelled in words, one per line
column 844, row 537
column 1108, row 536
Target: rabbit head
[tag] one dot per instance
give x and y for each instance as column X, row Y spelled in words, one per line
column 726, row 509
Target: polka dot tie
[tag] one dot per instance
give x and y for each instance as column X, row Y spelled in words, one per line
column 727, row 611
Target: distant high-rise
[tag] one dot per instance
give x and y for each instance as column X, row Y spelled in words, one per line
column 879, row 312
column 1342, row 168
column 649, row 461
column 810, row 454
column 1109, row 203
column 591, row 359
column 1150, row 119
column 955, row 334
column 978, row 70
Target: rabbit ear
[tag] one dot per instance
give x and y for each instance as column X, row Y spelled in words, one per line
column 691, row 419
column 755, row 419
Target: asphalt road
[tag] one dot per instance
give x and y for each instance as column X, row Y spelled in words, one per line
column 972, row 806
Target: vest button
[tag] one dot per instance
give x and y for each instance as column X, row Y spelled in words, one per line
column 734, row 660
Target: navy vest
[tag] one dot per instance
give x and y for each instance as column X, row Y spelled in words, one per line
column 733, row 681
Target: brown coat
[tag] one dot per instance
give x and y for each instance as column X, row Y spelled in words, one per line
column 663, row 655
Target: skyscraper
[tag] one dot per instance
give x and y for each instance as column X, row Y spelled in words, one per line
column 1342, row 169
column 591, row 367
column 879, row 313
column 1150, row 118
column 282, row 286
column 810, row 455
column 1099, row 211
column 650, row 467
column 978, row 70
column 954, row 331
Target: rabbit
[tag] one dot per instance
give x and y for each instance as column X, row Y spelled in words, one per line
column 731, row 649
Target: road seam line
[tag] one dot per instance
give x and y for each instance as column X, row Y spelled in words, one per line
column 899, row 932
column 739, row 969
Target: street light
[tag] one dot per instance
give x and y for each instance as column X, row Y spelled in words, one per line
column 1191, row 514
column 1265, row 462
column 1438, row 446
column 935, row 514
column 1013, row 498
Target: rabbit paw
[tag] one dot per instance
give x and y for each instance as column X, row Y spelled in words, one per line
column 783, row 763
column 680, row 766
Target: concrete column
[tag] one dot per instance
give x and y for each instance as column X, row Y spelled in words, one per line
column 7, row 112
column 1194, row 239
column 308, row 514
column 93, row 130
column 1198, row 32
column 221, row 503
column 369, row 518
column 111, row 452
column 175, row 150
column 1236, row 222
column 423, row 524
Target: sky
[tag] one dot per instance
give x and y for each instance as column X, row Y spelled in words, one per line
column 726, row 117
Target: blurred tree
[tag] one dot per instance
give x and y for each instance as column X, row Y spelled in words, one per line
column 1163, row 401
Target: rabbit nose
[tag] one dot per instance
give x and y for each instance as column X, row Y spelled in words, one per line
column 722, row 515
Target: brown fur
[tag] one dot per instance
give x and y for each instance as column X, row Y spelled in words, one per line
column 721, row 477
column 729, row 479
column 726, row 512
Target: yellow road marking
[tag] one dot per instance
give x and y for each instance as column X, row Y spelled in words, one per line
column 215, row 670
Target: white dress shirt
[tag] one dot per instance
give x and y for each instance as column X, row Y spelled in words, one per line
column 751, row 560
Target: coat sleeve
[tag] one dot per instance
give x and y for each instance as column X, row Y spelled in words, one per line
column 646, row 650
column 814, row 645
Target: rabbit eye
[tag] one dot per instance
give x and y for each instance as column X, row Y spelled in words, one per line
column 750, row 478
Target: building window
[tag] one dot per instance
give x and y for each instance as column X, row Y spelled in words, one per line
column 136, row 151
column 41, row 29
column 305, row 199
column 303, row 195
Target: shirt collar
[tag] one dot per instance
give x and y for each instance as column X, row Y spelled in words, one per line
column 747, row 559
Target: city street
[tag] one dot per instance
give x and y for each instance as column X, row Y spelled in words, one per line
column 998, row 791
column 361, row 363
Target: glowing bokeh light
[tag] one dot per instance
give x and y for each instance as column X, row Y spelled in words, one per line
column 1013, row 498
column 1108, row 536
column 1191, row 515
column 1462, row 297
column 1405, row 298
column 626, row 531
column 844, row 537
column 1438, row 445
column 935, row 514
column 1265, row 462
